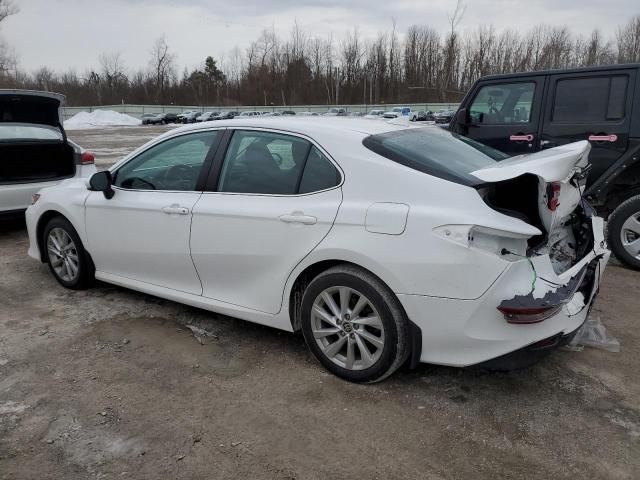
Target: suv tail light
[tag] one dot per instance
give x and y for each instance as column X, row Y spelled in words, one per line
column 553, row 195
column 87, row 158
column 524, row 315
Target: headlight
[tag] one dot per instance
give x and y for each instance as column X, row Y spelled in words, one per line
column 34, row 198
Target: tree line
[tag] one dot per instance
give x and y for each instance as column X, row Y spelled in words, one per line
column 421, row 65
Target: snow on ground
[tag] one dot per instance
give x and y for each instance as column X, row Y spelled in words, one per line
column 99, row 119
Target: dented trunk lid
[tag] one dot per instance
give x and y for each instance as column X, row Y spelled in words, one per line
column 561, row 173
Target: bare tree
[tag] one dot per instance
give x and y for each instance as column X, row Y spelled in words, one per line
column 7, row 7
column 162, row 63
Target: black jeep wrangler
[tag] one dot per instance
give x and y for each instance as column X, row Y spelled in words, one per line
column 527, row 112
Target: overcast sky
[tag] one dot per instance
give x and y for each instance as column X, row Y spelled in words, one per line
column 71, row 34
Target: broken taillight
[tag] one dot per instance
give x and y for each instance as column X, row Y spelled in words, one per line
column 87, row 158
column 524, row 315
column 553, row 195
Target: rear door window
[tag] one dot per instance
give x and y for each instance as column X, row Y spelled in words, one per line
column 504, row 103
column 590, row 99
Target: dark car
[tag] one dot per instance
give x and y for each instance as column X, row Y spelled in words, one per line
column 444, row 117
column 226, row 115
column 147, row 118
column 207, row 116
column 423, row 116
column 190, row 117
column 528, row 112
column 161, row 119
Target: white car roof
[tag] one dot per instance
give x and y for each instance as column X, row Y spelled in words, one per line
column 309, row 126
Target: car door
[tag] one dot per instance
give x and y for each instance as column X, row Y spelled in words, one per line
column 142, row 232
column 273, row 197
column 594, row 106
column 505, row 114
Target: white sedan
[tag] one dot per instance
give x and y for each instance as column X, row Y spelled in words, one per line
column 384, row 244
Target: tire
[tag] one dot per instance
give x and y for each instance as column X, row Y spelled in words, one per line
column 58, row 231
column 338, row 344
column 623, row 228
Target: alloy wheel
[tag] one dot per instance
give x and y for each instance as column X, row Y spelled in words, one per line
column 630, row 235
column 63, row 254
column 347, row 328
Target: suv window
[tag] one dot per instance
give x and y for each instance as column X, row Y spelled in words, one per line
column 503, row 103
column 263, row 162
column 590, row 99
column 319, row 173
column 171, row 165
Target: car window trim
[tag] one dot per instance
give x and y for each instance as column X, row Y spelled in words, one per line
column 206, row 165
column 211, row 186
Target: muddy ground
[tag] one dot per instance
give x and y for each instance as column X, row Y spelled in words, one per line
column 110, row 383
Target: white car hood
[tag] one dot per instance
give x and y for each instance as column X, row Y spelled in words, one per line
column 553, row 165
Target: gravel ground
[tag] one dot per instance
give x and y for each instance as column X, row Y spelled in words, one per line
column 109, row 383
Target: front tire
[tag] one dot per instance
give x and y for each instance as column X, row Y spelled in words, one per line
column 624, row 232
column 354, row 325
column 68, row 261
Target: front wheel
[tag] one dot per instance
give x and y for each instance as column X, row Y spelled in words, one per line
column 354, row 325
column 624, row 232
column 68, row 261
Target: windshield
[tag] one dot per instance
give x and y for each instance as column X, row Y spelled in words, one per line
column 397, row 109
column 13, row 132
column 436, row 152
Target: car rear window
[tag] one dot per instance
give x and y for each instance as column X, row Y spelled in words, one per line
column 436, row 152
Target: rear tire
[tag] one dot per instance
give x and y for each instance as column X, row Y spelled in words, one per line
column 624, row 232
column 68, row 261
column 354, row 324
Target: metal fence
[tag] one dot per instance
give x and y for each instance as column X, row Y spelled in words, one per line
column 138, row 110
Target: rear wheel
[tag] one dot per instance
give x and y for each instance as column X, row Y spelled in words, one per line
column 68, row 261
column 354, row 325
column 624, row 232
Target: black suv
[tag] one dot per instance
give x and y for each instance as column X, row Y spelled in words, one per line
column 527, row 112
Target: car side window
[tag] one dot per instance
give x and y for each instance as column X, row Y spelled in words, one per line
column 319, row 173
column 263, row 162
column 503, row 103
column 174, row 164
column 590, row 99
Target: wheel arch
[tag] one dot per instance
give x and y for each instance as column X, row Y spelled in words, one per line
column 43, row 220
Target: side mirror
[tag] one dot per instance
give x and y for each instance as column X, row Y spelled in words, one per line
column 101, row 182
column 463, row 118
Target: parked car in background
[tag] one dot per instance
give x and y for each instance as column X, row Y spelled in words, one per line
column 207, row 116
column 250, row 114
column 336, row 112
column 362, row 235
column 423, row 116
column 529, row 112
column 374, row 114
column 180, row 117
column 145, row 119
column 191, row 117
column 227, row 115
column 34, row 149
column 288, row 113
column 444, row 117
column 355, row 114
column 168, row 118
column 272, row 114
column 400, row 112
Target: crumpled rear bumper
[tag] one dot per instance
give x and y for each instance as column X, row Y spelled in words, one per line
column 469, row 332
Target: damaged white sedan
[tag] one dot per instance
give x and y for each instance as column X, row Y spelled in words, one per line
column 384, row 244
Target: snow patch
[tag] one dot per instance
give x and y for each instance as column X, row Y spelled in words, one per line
column 99, row 119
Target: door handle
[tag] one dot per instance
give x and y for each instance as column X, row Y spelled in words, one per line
column 175, row 209
column 603, row 138
column 521, row 138
column 298, row 217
